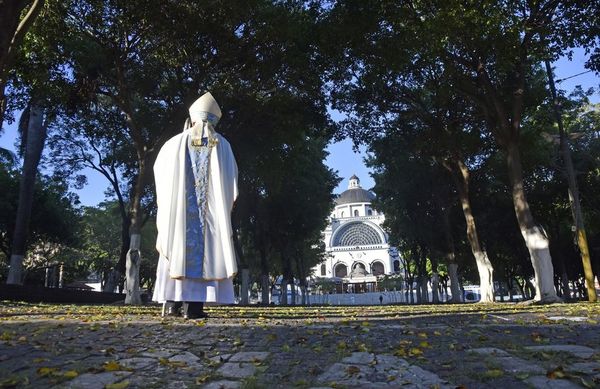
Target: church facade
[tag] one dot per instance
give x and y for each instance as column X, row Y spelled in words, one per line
column 358, row 252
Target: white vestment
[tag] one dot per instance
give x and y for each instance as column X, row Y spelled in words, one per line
column 218, row 265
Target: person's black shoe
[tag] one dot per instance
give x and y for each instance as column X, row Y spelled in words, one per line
column 194, row 310
column 192, row 316
column 173, row 308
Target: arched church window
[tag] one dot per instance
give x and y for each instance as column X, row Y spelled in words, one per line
column 323, row 270
column 377, row 268
column 370, row 212
column 341, row 270
column 357, row 234
column 396, row 266
column 356, row 212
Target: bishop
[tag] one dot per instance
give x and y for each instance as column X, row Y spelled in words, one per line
column 196, row 185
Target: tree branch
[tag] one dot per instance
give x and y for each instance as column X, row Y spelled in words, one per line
column 23, row 27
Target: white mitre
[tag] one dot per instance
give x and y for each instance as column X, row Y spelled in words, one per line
column 205, row 109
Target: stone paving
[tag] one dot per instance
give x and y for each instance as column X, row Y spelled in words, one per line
column 242, row 347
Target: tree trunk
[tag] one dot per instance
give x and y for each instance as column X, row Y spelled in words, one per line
column 132, row 271
column 132, row 267
column 409, row 280
column 451, row 257
column 535, row 237
column 125, row 242
column 454, row 283
column 460, row 174
column 530, row 290
column 565, row 284
column 435, row 284
column 573, row 193
column 564, row 278
column 115, row 273
column 521, row 289
column 112, row 281
column 264, row 276
column 425, row 290
column 34, row 145
column 245, row 276
column 293, row 292
column 444, row 289
column 283, row 295
column 419, row 294
column 301, row 278
column 265, row 288
column 305, row 295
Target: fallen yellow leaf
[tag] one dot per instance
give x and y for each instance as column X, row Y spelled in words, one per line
column 118, row 385
column 556, row 373
column 112, row 366
column 493, row 373
column 202, row 379
column 46, row 371
column 70, row 374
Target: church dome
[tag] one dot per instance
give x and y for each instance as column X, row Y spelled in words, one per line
column 355, row 193
column 358, row 195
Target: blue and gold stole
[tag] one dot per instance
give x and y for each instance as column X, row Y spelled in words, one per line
column 196, row 173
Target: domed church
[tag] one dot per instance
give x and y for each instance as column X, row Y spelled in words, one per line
column 357, row 248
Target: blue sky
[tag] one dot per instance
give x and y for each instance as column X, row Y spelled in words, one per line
column 341, row 156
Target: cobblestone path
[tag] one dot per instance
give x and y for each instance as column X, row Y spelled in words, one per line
column 499, row 346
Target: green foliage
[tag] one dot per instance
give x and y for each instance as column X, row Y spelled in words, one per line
column 101, row 242
column 391, row 282
column 324, row 285
column 54, row 221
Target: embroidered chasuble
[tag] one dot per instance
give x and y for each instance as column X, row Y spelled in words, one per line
column 196, row 186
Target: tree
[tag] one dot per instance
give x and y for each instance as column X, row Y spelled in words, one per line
column 93, row 137
column 300, row 209
column 489, row 52
column 101, row 244
column 582, row 240
column 37, row 79
column 101, row 238
column 142, row 60
column 414, row 194
column 16, row 18
column 446, row 127
column 53, row 225
column 579, row 120
column 34, row 138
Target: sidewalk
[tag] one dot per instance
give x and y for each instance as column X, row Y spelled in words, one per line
column 449, row 346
